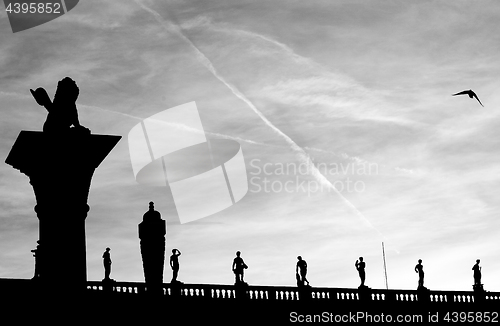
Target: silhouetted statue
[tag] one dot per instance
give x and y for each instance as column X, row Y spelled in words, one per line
column 174, row 263
column 360, row 266
column 66, row 157
column 238, row 267
column 152, row 231
column 37, row 253
column 419, row 268
column 107, row 263
column 477, row 273
column 62, row 111
column 301, row 270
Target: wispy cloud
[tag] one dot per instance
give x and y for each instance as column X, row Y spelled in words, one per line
column 302, row 155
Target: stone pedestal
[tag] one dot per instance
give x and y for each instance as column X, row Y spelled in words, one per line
column 240, row 290
column 364, row 293
column 423, row 294
column 60, row 168
column 479, row 293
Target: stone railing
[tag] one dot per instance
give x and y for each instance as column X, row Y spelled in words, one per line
column 284, row 293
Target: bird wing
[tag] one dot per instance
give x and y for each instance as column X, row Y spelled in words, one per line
column 461, row 93
column 474, row 94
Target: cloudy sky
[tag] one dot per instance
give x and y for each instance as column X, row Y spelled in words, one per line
column 358, row 91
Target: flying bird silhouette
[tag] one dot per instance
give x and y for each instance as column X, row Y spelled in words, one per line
column 471, row 95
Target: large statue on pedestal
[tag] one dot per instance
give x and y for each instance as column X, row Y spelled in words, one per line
column 152, row 232
column 60, row 162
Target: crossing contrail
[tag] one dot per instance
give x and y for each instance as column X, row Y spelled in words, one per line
column 301, row 153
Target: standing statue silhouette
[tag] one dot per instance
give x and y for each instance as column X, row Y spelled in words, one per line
column 238, row 267
column 174, row 264
column 301, row 270
column 419, row 268
column 360, row 266
column 107, row 263
column 477, row 273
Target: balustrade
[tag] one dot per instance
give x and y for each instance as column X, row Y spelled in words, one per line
column 284, row 293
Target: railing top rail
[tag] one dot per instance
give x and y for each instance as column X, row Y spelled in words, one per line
column 265, row 287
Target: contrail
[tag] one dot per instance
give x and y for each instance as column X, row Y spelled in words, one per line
column 181, row 126
column 238, row 139
column 298, row 150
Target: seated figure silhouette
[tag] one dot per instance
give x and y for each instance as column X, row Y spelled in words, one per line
column 419, row 268
column 238, row 267
column 62, row 110
column 174, row 264
column 360, row 266
column 301, row 271
column 477, row 273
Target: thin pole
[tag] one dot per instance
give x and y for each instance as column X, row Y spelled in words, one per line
column 385, row 267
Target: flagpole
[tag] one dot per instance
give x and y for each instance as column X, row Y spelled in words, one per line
column 385, row 267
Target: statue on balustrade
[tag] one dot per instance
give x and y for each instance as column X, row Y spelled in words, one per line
column 477, row 275
column 174, row 264
column 360, row 266
column 62, row 111
column 301, row 271
column 107, row 264
column 419, row 268
column 238, row 267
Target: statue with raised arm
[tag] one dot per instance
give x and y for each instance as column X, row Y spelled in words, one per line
column 62, row 110
column 360, row 267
